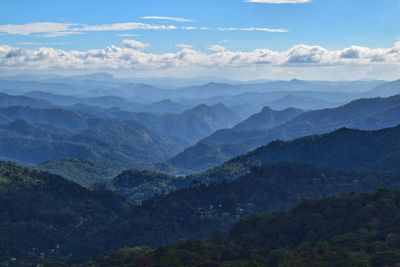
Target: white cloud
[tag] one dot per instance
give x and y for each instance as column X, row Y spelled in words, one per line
column 301, row 59
column 277, row 30
column 32, row 28
column 184, row 46
column 134, row 44
column 51, row 29
column 40, row 44
column 279, row 1
column 167, row 18
column 57, row 34
column 127, row 35
column 191, row 28
column 127, row 26
column 217, row 48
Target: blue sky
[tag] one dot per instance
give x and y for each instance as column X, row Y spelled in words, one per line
column 235, row 25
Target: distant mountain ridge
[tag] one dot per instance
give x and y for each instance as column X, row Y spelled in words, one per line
column 364, row 114
column 11, row 100
column 35, row 135
column 267, row 119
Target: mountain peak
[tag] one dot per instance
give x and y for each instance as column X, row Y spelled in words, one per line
column 266, row 109
column 97, row 76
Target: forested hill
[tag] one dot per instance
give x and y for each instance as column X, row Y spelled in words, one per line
column 44, row 213
column 344, row 149
column 351, row 230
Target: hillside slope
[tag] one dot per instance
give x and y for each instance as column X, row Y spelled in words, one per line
column 364, row 114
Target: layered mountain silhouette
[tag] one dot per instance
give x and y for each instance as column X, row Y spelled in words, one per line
column 365, row 114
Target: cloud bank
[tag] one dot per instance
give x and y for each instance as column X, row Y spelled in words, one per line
column 130, row 56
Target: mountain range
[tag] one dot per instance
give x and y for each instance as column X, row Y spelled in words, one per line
column 34, row 135
column 365, row 114
column 221, row 173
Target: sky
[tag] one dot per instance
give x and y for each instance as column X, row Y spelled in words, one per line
column 241, row 39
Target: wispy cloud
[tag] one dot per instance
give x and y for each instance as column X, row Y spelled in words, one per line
column 51, row 29
column 128, row 35
column 34, row 28
column 127, row 26
column 40, row 44
column 167, row 18
column 278, row 30
column 279, row 1
column 58, row 34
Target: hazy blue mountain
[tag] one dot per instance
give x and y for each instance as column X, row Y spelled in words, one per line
column 386, row 89
column 103, row 84
column 177, row 82
column 190, row 125
column 20, row 87
column 258, row 99
column 97, row 76
column 59, row 100
column 36, row 135
column 101, row 101
column 200, row 157
column 111, row 102
column 225, row 89
column 208, row 90
column 365, row 114
column 245, row 110
column 164, row 106
column 267, row 119
column 46, row 117
column 12, row 100
column 301, row 102
column 22, row 127
column 323, row 86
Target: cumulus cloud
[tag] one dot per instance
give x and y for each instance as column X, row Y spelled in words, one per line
column 184, row 46
column 167, row 18
column 134, row 44
column 217, row 48
column 130, row 56
column 279, row 1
